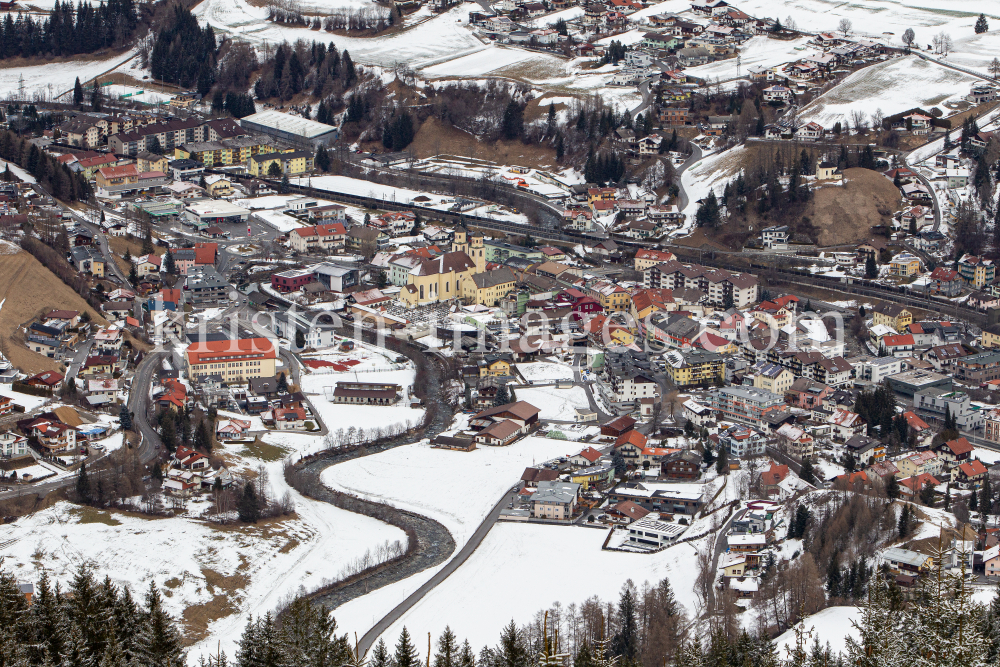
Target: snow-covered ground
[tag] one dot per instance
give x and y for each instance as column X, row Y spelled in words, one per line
column 456, row 488
column 189, row 558
column 519, row 570
column 481, row 62
column 712, row 172
column 892, row 86
column 832, row 625
column 987, row 456
column 27, row 401
column 541, row 371
column 761, row 51
column 440, row 37
column 46, row 82
column 554, row 403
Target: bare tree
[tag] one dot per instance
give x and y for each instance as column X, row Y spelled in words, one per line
column 878, row 117
column 995, row 68
column 706, row 577
column 946, row 43
column 859, row 121
column 908, row 37
column 845, row 26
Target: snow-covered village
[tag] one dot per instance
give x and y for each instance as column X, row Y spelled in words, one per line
column 513, row 333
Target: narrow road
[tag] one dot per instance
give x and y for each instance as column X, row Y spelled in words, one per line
column 451, row 566
column 721, row 544
column 682, row 197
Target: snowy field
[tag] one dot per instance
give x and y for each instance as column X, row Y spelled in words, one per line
column 893, row 86
column 27, row 401
column 482, row 62
column 368, row 365
column 439, row 38
column 540, row 371
column 832, row 625
column 478, row 599
column 47, row 82
column 553, row 403
column 414, row 477
column 189, row 558
column 710, row 173
column 756, row 52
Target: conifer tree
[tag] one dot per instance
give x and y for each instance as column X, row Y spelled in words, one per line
column 380, row 655
column 626, row 639
column 125, row 418
column 248, row 510
column 722, row 463
column 406, row 653
column 807, row 473
column 78, row 93
column 158, row 643
column 467, row 658
column 83, row 485
column 169, row 265
column 512, row 651
column 447, row 650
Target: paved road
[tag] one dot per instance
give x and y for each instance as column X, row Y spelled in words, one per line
column 721, row 544
column 463, row 555
column 82, row 351
column 682, row 197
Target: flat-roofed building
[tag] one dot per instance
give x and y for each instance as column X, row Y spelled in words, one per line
column 293, row 129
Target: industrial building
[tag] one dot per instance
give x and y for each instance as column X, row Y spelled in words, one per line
column 296, row 130
column 208, row 212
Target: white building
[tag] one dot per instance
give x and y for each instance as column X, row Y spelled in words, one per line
column 651, row 532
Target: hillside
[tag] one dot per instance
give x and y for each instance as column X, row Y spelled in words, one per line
column 26, row 289
column 846, row 213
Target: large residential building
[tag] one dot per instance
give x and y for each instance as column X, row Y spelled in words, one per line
column 695, row 367
column 894, row 316
column 936, row 402
column 977, row 272
column 318, row 237
column 746, row 404
column 977, row 368
column 722, row 288
column 232, row 360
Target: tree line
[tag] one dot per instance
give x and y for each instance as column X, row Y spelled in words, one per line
column 184, row 53
column 68, row 31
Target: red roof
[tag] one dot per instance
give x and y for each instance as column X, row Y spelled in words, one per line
column 120, row 170
column 48, row 378
column 658, row 255
column 918, row 482
column 204, row 256
column 207, row 351
column 959, row 446
column 944, row 274
column 631, row 438
column 915, row 422
column 710, row 341
column 901, row 339
column 776, row 474
column 332, row 229
column 973, row 468
column 170, row 295
column 590, row 454
column 131, row 321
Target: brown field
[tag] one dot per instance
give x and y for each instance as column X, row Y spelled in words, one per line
column 119, row 244
column 28, row 289
column 433, row 138
column 844, row 214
